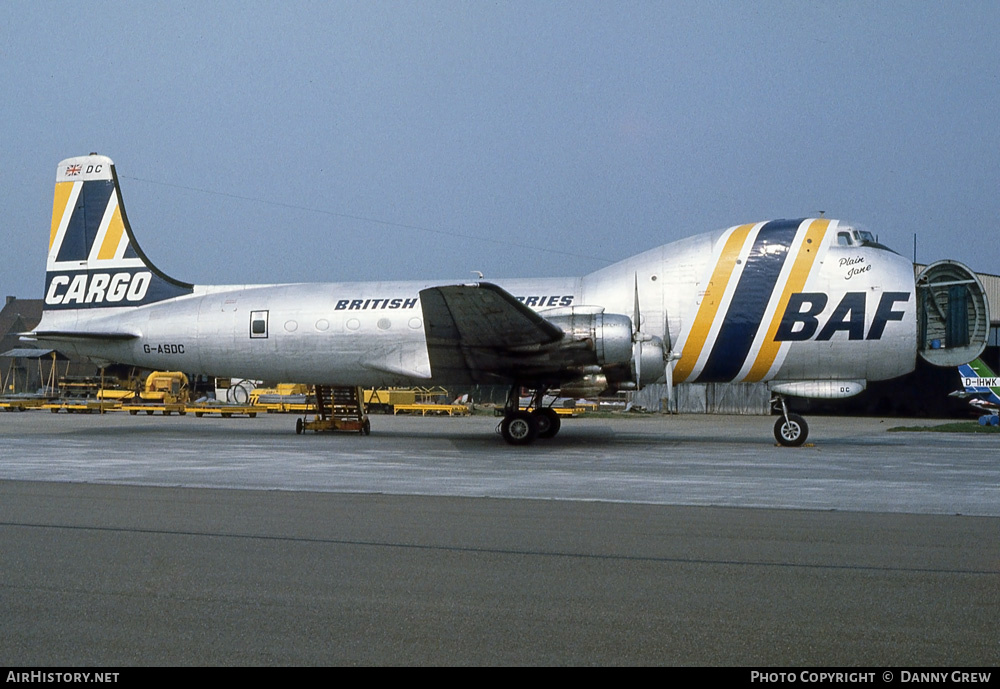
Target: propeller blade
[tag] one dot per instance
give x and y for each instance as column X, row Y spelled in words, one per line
column 668, row 341
column 669, row 375
column 635, row 312
column 636, row 335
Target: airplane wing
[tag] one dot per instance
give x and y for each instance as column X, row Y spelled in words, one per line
column 481, row 329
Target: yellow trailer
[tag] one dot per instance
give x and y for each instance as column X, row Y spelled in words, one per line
column 225, row 410
column 81, row 406
column 433, row 409
column 14, row 404
column 284, row 398
column 150, row 408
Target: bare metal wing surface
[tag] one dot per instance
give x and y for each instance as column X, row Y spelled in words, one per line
column 480, row 331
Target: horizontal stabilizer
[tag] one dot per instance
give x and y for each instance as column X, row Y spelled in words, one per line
column 71, row 336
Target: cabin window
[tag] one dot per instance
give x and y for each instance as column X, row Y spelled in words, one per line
column 258, row 324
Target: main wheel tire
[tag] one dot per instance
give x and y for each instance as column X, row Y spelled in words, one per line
column 519, row 428
column 298, row 426
column 792, row 432
column 548, row 422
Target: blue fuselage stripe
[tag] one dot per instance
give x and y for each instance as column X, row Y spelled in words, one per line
column 746, row 310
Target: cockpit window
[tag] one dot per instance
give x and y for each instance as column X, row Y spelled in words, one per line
column 849, row 236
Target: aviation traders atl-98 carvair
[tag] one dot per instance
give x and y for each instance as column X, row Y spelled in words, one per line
column 812, row 307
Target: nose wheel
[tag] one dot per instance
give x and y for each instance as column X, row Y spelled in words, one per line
column 791, row 431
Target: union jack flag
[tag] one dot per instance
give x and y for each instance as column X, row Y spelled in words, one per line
column 73, row 170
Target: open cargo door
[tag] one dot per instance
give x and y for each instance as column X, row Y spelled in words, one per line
column 953, row 314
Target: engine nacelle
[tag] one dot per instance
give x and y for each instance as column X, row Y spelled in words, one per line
column 626, row 358
column 590, row 385
column 608, row 335
column 649, row 361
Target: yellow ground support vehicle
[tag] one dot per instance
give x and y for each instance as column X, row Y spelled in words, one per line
column 164, row 391
column 169, row 387
column 383, row 400
column 337, row 409
column 416, row 400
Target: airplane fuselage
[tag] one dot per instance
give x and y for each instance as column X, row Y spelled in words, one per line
column 751, row 303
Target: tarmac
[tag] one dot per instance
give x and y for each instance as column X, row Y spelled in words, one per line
column 639, row 540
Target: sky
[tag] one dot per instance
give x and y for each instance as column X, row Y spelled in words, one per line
column 342, row 141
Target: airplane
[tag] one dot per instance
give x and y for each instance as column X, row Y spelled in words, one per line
column 982, row 390
column 812, row 307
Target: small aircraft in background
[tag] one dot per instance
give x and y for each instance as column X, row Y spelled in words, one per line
column 812, row 307
column 982, row 390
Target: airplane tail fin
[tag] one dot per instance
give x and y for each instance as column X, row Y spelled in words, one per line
column 94, row 260
column 980, row 381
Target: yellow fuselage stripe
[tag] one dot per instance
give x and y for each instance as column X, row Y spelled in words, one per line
column 59, row 201
column 710, row 303
column 804, row 261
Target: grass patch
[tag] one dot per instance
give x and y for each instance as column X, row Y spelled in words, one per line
column 954, row 427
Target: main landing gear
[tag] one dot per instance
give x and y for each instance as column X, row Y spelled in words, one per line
column 790, row 430
column 520, row 427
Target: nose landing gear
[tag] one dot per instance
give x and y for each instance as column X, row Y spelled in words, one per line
column 790, row 430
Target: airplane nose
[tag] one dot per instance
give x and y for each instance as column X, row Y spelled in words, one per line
column 953, row 314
